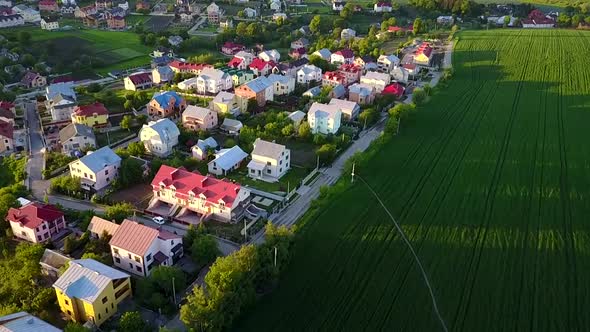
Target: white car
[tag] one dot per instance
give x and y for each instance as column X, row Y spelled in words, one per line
column 159, row 220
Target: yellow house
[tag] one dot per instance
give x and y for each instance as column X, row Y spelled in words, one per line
column 93, row 115
column 225, row 102
column 91, row 291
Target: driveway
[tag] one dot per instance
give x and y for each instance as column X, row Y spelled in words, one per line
column 36, row 162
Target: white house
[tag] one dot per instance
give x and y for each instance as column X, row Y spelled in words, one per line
column 338, row 5
column 400, row 74
column 270, row 161
column 324, row 119
column 60, row 101
column 159, row 137
column 49, row 24
column 382, row 7
column 29, row 14
column 200, row 150
column 75, row 137
column 199, row 118
column 8, row 21
column 283, row 85
column 270, row 55
column 308, row 74
column 246, row 57
column 324, row 53
column 249, row 12
column 275, row 5
column 277, row 16
column 377, row 80
column 97, row 169
column 350, row 110
column 212, row 81
column 347, row 34
column 226, row 160
column 188, row 84
column 345, row 56
column 386, row 63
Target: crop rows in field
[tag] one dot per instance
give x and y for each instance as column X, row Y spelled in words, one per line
column 491, row 183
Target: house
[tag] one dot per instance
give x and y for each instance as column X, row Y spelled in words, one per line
column 240, row 77
column 333, row 78
column 323, row 53
column 52, row 262
column 352, row 73
column 270, row 161
column 201, row 149
column 445, row 20
column 138, row 81
column 226, row 23
column 103, row 4
column 304, row 30
column 189, row 84
column 123, row 5
column 33, row 80
column 138, row 249
column 187, row 67
column 350, row 109
column 423, row 55
column 364, row 61
column 226, row 160
column 324, row 119
column 6, row 136
column 361, row 93
column 377, row 80
column 90, row 291
column 261, row 90
column 25, row 322
column 338, row 92
column 93, row 20
column 300, row 43
column 92, row 115
column 297, row 117
column 175, row 40
column 159, row 137
column 161, row 51
column 166, row 104
column 347, row 34
column 199, row 118
column 211, row 81
column 162, row 74
column 28, row 14
column 338, row 5
column 82, row 12
column 270, row 55
column 6, row 10
column 60, row 101
column 312, row 92
column 342, row 57
column 48, row 6
column 76, row 137
column 49, row 24
column 204, row 195
column 275, row 5
column 411, row 68
column 116, row 22
column 261, row 67
column 308, row 74
column 386, row 63
column 382, row 7
column 237, row 63
column 36, row 222
column 537, row 20
column 279, row 16
column 298, row 53
column 97, row 169
column 68, row 9
column 400, row 74
column 7, row 111
column 231, row 126
column 142, row 5
column 8, row 21
column 394, row 89
column 225, row 102
column 231, row 48
column 249, row 12
column 98, row 227
column 283, row 85
column 213, row 13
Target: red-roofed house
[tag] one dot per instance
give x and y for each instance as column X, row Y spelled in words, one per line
column 187, row 67
column 423, row 54
column 7, row 111
column 230, row 48
column 333, row 78
column 382, row 7
column 394, row 89
column 139, row 249
column 298, row 53
column 36, row 222
column 206, row 196
column 6, row 136
column 351, row 72
column 343, row 56
column 48, row 6
column 138, row 81
column 261, row 67
column 237, row 63
column 33, row 80
column 93, row 115
column 538, row 20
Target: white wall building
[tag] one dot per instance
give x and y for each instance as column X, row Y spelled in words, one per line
column 97, row 169
column 159, row 137
column 324, row 119
column 270, row 161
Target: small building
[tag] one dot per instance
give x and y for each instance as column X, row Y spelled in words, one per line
column 103, row 4
column 279, row 16
column 166, row 104
column 188, row 67
column 347, row 34
column 283, row 85
column 33, row 80
column 36, row 222
column 275, row 5
column 364, row 61
column 362, row 94
column 175, row 40
column 9, row 21
column 261, row 90
column 138, row 81
column 394, row 89
column 60, row 101
column 48, row 6
column 159, row 137
column 261, row 67
column 308, row 74
column 338, row 92
column 116, row 22
column 201, row 149
column 250, row 13
column 313, row 92
column 212, row 81
column 338, row 5
column 400, row 74
column 386, row 63
column 162, row 74
column 298, row 53
column 231, row 126
column 270, row 55
column 350, row 110
column 28, row 14
column 49, row 24
column 270, row 161
column 188, row 84
column 92, row 115
column 324, row 119
column 199, row 118
column 97, row 169
column 52, row 262
column 231, row 48
column 423, row 55
column 377, row 80
column 382, row 7
column 226, row 160
column 351, row 72
column 90, row 291
column 225, row 102
column 445, row 20
column 98, row 227
column 25, row 322
column 342, row 57
column 323, row 53
column 537, row 20
column 300, row 43
column 6, row 136
column 297, row 117
column 213, row 13
column 76, row 137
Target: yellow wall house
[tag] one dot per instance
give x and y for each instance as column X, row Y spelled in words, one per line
column 91, row 291
column 93, row 115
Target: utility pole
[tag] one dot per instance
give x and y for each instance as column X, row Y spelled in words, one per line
column 245, row 232
column 174, row 291
column 352, row 174
column 275, row 256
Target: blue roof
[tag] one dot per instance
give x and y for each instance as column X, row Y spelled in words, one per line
column 228, row 158
column 100, row 158
column 163, row 98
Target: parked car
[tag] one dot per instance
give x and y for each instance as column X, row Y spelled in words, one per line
column 159, row 220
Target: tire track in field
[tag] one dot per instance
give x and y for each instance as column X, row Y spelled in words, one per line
column 489, row 204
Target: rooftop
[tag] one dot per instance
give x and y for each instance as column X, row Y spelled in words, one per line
column 91, row 109
column 228, row 158
column 74, row 129
column 267, row 149
column 99, row 226
column 25, row 322
column 134, row 237
column 99, row 159
column 34, row 214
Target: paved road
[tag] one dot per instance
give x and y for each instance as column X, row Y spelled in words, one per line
column 36, row 160
column 35, row 93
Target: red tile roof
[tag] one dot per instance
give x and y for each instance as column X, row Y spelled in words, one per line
column 299, row 51
column 34, row 214
column 29, row 77
column 47, row 2
column 334, row 76
column 346, row 53
column 350, row 68
column 134, row 237
column 180, row 65
column 6, row 129
column 234, row 62
column 186, row 182
column 6, row 105
column 425, row 49
column 140, row 78
column 395, row 89
column 383, row 4
column 89, row 110
column 410, row 66
column 260, row 64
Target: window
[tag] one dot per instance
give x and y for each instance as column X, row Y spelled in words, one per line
column 99, row 316
column 148, row 257
column 130, row 266
column 112, row 306
column 129, row 256
column 69, row 312
column 67, row 302
column 39, row 238
column 268, row 163
column 117, row 259
column 23, row 233
column 44, row 226
column 137, row 259
column 268, row 171
column 91, row 177
column 139, row 269
column 116, row 251
column 105, row 299
column 280, row 162
column 106, row 310
column 106, row 172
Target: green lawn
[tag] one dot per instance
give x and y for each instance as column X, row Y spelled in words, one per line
column 113, row 137
column 288, row 181
column 490, row 183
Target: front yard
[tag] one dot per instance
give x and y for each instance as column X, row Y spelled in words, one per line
column 289, row 181
column 104, row 139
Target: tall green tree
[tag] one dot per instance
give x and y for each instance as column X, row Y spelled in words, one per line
column 131, row 321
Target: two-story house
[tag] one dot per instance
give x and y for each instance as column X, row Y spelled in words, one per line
column 201, row 150
column 270, row 161
column 33, row 80
column 166, row 104
column 361, row 93
column 333, row 79
column 159, row 137
column 260, row 89
column 89, row 291
column 352, row 73
column 342, row 57
column 49, row 24
column 213, row 13
column 349, row 109
column 225, row 102
column 261, row 67
column 324, row 119
column 199, row 118
column 92, row 115
column 76, row 137
column 36, row 222
column 60, row 101
column 6, row 136
column 162, row 74
column 97, row 169
column 347, row 34
column 400, row 74
column 138, row 81
column 211, row 81
column 386, row 63
column 270, row 55
column 138, row 249
column 188, row 67
column 283, row 85
column 377, row 80
column 226, row 160
column 300, row 43
column 309, row 74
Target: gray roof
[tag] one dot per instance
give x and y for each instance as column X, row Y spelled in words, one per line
column 231, row 123
column 213, row 74
column 267, row 149
column 25, row 322
column 85, row 279
column 228, row 158
column 259, row 84
column 296, row 116
column 54, row 259
column 315, row 91
column 99, row 159
column 64, row 89
column 209, row 142
column 75, row 129
column 338, row 91
column 224, row 97
column 195, row 112
column 324, row 53
column 165, row 128
column 280, row 78
column 322, row 110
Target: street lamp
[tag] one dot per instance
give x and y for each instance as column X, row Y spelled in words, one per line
column 409, row 245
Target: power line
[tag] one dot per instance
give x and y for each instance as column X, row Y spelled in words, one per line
column 407, row 241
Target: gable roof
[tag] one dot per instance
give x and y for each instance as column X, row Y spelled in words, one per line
column 99, row 159
column 267, row 149
column 181, row 65
column 6, row 106
column 29, row 77
column 228, row 158
column 91, row 109
column 373, row 75
column 231, row 123
column 164, row 127
column 6, row 129
column 224, row 97
column 308, row 69
column 319, row 110
column 140, row 78
column 163, row 98
column 324, row 53
column 134, row 237
column 346, row 53
column 213, row 74
column 75, row 129
column 344, row 105
column 203, row 145
column 259, row 64
column 235, row 61
column 296, row 116
column 273, row 78
column 394, row 89
column 85, row 279
column 25, row 322
column 63, row 89
column 195, row 112
column 259, row 84
column 98, row 226
column 33, row 214
column 53, row 259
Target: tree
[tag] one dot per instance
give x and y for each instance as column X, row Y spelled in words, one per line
column 118, row 212
column 417, row 28
column 288, row 130
column 315, row 25
column 346, row 12
column 418, row 96
column 585, row 8
column 507, row 20
column 164, row 276
column 304, row 131
column 204, row 249
column 563, row 20
column 241, row 28
column 230, row 142
column 126, row 120
column 128, row 105
column 136, row 149
column 130, row 172
column 23, row 37
column 326, row 152
column 131, row 321
column 96, row 257
column 75, row 327
column 576, row 19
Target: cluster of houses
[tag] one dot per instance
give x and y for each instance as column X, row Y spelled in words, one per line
column 104, row 14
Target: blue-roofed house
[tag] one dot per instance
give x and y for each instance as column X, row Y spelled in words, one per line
column 313, row 92
column 90, row 291
column 201, row 149
column 166, row 104
column 159, row 137
column 339, row 91
column 25, row 322
column 97, row 169
column 162, row 74
column 226, row 160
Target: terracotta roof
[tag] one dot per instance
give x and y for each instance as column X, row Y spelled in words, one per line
column 32, row 215
column 134, row 237
column 140, row 78
column 89, row 110
column 6, row 112
column 234, row 62
column 98, row 225
column 410, row 66
column 334, row 76
column 6, row 105
column 29, row 77
column 180, row 65
column 6, row 129
column 350, row 68
column 425, row 49
column 186, row 182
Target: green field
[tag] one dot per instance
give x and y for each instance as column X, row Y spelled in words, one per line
column 491, row 183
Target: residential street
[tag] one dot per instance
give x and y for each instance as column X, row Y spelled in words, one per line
column 36, row 161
